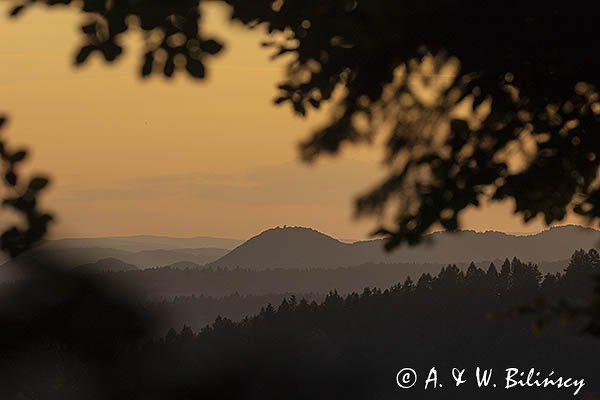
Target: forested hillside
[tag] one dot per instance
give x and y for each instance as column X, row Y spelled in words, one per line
column 358, row 341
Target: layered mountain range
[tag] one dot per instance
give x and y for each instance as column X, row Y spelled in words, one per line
column 305, row 248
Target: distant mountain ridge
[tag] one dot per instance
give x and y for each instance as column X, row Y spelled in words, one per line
column 292, row 248
column 143, row 251
column 298, row 247
column 75, row 257
column 306, row 248
column 145, row 242
column 107, row 265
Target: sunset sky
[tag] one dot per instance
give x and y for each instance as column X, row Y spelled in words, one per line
column 177, row 157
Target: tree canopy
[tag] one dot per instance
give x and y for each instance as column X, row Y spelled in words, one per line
column 475, row 103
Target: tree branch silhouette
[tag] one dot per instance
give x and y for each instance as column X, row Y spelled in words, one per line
column 21, row 196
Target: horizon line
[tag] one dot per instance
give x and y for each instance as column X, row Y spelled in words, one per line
column 346, row 240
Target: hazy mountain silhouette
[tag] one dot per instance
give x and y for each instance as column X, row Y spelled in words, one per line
column 289, row 248
column 144, row 259
column 297, row 247
column 160, row 258
column 305, row 248
column 75, row 257
column 107, row 265
column 145, row 242
column 143, row 251
column 184, row 265
column 135, row 244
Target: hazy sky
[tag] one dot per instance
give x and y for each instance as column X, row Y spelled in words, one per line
column 176, row 157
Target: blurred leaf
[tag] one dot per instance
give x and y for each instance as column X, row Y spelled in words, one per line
column 18, row 156
column 148, row 64
column 38, row 184
column 195, row 68
column 17, row 10
column 211, row 46
column 84, row 53
column 89, row 29
column 11, row 178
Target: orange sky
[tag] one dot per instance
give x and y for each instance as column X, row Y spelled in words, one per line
column 176, row 157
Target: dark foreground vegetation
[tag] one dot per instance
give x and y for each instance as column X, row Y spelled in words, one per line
column 345, row 347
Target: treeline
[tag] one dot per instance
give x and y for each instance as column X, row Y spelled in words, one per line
column 159, row 283
column 197, row 311
column 200, row 311
column 169, row 282
column 352, row 346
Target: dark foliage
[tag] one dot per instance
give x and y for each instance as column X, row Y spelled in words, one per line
column 21, row 197
column 64, row 323
column 578, row 291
